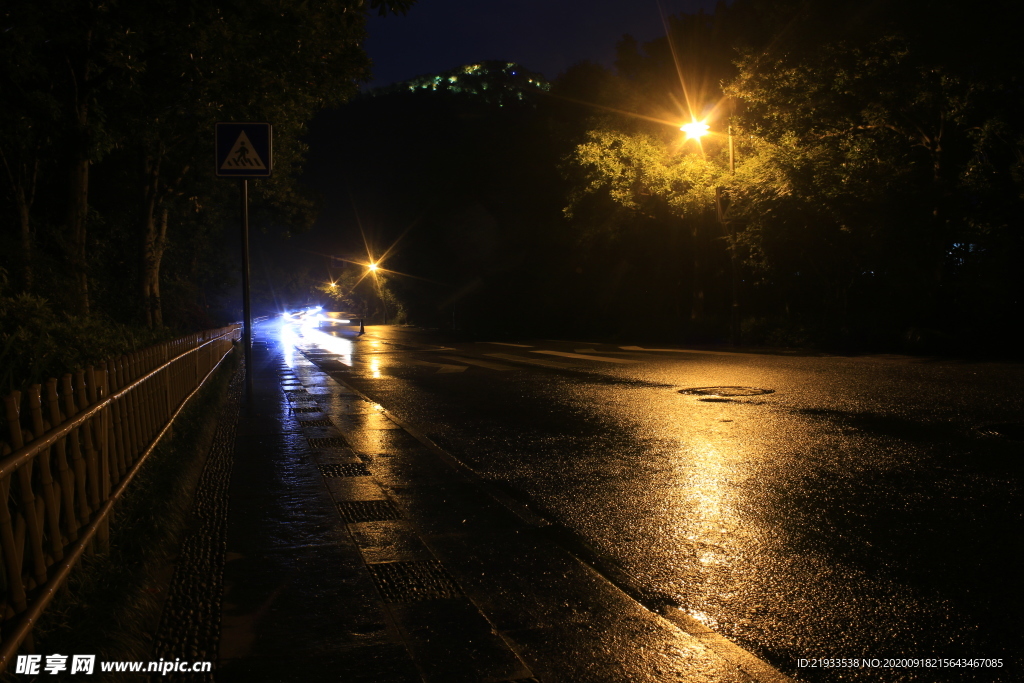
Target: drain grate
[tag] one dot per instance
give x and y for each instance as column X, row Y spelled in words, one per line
column 315, row 423
column 345, row 469
column 353, row 511
column 413, row 581
column 307, row 409
column 327, row 442
column 726, row 391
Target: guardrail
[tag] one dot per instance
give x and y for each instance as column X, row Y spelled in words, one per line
column 74, row 446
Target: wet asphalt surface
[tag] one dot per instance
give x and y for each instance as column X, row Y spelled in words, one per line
column 859, row 510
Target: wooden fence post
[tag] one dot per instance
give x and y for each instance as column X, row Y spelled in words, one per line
column 67, row 483
column 73, row 454
column 52, row 526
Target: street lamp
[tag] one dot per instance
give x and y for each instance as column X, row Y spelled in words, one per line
column 694, row 131
column 373, row 267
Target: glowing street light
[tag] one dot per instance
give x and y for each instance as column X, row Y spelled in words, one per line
column 373, row 267
column 694, row 130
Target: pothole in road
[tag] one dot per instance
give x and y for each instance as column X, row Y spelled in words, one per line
column 725, row 392
column 1014, row 431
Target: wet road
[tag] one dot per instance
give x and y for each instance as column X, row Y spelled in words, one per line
column 856, row 511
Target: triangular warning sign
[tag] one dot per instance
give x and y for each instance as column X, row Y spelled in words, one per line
column 243, row 155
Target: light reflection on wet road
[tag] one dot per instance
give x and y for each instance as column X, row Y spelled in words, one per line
column 855, row 512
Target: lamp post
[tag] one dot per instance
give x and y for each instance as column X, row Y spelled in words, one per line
column 373, row 267
column 695, row 130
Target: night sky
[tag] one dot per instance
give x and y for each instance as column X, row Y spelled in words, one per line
column 542, row 35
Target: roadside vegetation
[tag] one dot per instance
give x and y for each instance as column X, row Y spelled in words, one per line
column 873, row 201
column 112, row 225
column 38, row 342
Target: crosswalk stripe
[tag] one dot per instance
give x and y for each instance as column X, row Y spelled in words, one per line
column 634, row 354
column 533, row 361
column 583, row 356
column 482, row 363
column 442, row 368
column 712, row 353
column 522, row 346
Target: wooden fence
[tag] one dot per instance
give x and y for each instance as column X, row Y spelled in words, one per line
column 74, row 445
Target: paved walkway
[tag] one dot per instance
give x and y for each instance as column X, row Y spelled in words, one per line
column 356, row 551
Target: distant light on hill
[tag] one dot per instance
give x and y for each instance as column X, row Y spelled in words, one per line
column 495, row 81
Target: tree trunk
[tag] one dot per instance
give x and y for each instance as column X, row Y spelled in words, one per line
column 24, row 214
column 23, row 189
column 78, row 188
column 697, row 291
column 78, row 211
column 154, row 241
column 158, row 311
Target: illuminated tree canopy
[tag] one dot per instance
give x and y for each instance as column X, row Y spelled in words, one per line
column 874, row 174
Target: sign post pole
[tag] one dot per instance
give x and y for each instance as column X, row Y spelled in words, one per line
column 244, row 151
column 246, row 304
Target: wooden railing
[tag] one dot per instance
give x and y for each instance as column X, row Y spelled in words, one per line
column 74, row 445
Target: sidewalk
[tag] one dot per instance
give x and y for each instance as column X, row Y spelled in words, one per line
column 357, row 552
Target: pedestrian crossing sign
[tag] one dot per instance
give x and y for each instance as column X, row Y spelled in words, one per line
column 244, row 150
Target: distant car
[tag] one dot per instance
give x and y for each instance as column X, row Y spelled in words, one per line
column 332, row 318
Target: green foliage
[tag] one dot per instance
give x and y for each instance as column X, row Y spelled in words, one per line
column 132, row 91
column 877, row 176
column 636, row 168
column 371, row 295
column 37, row 342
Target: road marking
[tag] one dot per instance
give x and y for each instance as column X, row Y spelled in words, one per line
column 712, row 353
column 377, row 341
column 482, row 363
column 533, row 361
column 522, row 346
column 619, row 353
column 442, row 368
column 584, row 356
